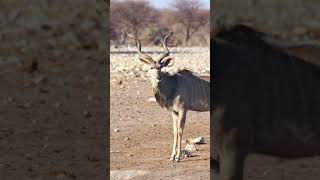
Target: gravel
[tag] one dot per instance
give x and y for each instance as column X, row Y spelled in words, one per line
column 124, row 62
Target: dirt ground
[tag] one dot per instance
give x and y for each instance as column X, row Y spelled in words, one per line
column 53, row 94
column 53, row 105
column 149, row 129
column 53, row 121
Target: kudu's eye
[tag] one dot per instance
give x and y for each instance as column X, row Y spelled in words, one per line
column 151, row 68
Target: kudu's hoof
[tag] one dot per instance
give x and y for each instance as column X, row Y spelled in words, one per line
column 171, row 158
column 177, row 159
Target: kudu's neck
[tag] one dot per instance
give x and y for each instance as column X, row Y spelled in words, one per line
column 162, row 84
column 163, row 90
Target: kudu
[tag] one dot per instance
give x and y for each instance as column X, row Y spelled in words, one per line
column 263, row 101
column 177, row 92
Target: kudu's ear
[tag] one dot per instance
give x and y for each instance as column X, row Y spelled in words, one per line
column 167, row 61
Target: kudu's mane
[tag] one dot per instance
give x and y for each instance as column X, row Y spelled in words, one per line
column 243, row 36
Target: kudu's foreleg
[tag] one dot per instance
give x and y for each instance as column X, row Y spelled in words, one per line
column 175, row 135
column 233, row 152
column 181, row 123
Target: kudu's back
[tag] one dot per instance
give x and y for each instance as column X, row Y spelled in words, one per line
column 194, row 90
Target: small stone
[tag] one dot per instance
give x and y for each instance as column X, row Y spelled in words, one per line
column 116, row 130
column 198, row 140
column 152, row 99
column 119, row 82
column 127, row 139
column 191, row 148
column 186, row 153
column 154, row 125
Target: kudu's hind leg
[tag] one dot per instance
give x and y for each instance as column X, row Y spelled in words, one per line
column 181, row 123
column 175, row 135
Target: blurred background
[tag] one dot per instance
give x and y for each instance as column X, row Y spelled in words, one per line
column 293, row 20
column 296, row 19
column 150, row 19
column 53, row 104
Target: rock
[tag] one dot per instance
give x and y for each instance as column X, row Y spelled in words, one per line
column 190, row 148
column 186, row 153
column 127, row 139
column 152, row 99
column 116, row 130
column 119, row 82
column 198, row 140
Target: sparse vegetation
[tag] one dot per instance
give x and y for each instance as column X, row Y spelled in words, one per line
column 189, row 21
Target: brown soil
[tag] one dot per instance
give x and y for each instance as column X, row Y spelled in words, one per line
column 53, row 120
column 149, row 129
